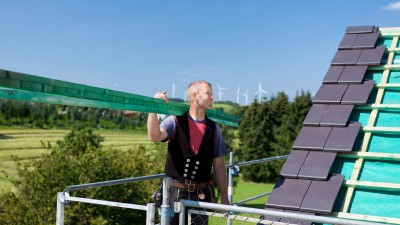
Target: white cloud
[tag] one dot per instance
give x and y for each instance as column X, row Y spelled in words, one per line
column 392, row 6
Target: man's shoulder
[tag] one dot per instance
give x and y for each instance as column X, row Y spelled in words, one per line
column 168, row 120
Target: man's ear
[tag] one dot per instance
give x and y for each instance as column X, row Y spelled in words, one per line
column 194, row 95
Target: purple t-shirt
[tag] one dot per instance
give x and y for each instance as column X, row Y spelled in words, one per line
column 169, row 125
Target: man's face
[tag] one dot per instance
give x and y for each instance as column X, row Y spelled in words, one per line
column 204, row 96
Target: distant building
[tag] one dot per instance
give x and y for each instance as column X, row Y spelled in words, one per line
column 129, row 114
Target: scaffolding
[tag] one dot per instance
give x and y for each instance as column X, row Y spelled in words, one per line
column 228, row 213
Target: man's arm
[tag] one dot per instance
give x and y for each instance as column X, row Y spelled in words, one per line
column 154, row 132
column 220, row 177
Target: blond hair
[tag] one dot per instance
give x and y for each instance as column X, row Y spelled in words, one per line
column 194, row 88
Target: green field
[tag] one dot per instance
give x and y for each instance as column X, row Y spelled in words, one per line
column 26, row 145
column 227, row 108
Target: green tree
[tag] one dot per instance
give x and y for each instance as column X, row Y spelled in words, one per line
column 256, row 136
column 288, row 130
column 280, row 108
column 79, row 159
column 269, row 129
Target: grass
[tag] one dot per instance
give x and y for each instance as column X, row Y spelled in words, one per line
column 244, row 190
column 227, row 108
column 27, row 144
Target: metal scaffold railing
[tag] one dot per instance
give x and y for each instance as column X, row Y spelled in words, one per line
column 166, row 210
column 222, row 214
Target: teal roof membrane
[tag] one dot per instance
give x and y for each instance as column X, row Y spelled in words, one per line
column 376, row 203
column 388, row 119
column 375, row 75
column 380, row 171
column 394, row 77
column 396, row 59
column 384, row 143
column 343, row 166
column 391, row 97
column 361, row 116
column 387, row 41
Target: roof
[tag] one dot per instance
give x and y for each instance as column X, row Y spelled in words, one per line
column 345, row 160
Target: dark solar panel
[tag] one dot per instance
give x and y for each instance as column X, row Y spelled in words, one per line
column 312, row 138
column 366, row 40
column 358, row 93
column 317, row 165
column 288, row 193
column 359, row 29
column 336, row 115
column 352, row 74
column 342, row 139
column 315, row 114
column 333, row 74
column 347, row 41
column 293, row 163
column 346, row 57
column 321, row 195
column 330, row 93
column 371, row 56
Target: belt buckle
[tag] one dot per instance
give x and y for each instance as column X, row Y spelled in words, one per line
column 190, row 186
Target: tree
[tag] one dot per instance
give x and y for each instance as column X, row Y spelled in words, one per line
column 255, row 135
column 288, row 130
column 269, row 129
column 280, row 108
column 79, row 159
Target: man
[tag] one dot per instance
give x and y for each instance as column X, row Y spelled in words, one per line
column 195, row 145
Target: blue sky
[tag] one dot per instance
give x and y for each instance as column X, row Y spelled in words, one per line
column 143, row 46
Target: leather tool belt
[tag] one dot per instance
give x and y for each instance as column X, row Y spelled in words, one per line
column 189, row 185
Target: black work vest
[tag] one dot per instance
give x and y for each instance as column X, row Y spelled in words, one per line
column 181, row 162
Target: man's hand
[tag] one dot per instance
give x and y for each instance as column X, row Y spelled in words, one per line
column 162, row 95
column 220, row 178
column 225, row 201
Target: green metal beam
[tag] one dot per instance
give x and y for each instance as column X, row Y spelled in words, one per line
column 27, row 87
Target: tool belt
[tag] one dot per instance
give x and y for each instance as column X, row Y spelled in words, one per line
column 189, row 185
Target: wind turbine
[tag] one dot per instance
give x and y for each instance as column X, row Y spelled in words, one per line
column 260, row 92
column 220, row 89
column 246, row 96
column 237, row 95
column 173, row 89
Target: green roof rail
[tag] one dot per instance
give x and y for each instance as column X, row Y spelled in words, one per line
column 19, row 86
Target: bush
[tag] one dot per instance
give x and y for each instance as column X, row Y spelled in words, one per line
column 80, row 159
